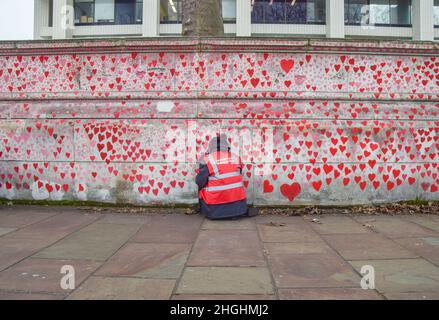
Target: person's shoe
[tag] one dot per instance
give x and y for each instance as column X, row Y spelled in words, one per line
column 192, row 211
column 252, row 212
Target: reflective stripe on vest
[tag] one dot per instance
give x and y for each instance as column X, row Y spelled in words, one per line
column 225, row 187
column 226, row 160
column 213, row 164
column 225, row 175
column 220, row 161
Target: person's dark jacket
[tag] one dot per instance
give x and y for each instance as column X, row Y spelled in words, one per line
column 218, row 211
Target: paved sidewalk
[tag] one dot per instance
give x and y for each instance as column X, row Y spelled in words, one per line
column 176, row 256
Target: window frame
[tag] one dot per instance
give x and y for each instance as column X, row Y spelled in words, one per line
column 232, row 20
column 436, row 26
column 50, row 13
column 81, row 24
column 400, row 25
column 178, row 21
column 286, row 22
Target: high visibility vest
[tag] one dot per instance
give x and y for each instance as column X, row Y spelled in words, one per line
column 225, row 182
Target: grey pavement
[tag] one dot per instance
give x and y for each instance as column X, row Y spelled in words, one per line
column 177, row 256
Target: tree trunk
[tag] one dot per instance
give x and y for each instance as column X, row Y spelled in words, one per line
column 202, row 18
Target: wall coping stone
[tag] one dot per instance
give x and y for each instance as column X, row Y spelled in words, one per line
column 253, row 44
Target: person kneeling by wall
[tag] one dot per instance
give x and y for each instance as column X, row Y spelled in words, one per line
column 220, row 182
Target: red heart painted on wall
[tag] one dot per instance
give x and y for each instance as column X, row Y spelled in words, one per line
column 268, row 188
column 287, row 65
column 290, row 191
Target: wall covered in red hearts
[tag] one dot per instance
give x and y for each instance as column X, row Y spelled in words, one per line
column 315, row 121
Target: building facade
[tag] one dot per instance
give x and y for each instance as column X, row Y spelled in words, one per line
column 403, row 19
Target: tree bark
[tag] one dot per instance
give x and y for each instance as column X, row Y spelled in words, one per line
column 202, row 18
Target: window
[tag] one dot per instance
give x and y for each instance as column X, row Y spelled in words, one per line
column 296, row 13
column 275, row 12
column 436, row 13
column 378, row 12
column 229, row 11
column 316, row 11
column 108, row 12
column 356, row 12
column 84, row 11
column 171, row 11
column 289, row 11
column 139, row 11
column 401, row 12
column 128, row 11
column 50, row 13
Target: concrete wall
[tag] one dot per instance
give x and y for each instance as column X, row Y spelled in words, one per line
column 125, row 121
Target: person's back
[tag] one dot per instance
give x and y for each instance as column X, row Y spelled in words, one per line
column 221, row 187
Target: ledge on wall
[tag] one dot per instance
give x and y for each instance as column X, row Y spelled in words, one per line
column 225, row 44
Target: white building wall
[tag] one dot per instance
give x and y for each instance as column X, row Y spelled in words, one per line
column 288, row 29
column 423, row 25
column 243, row 18
column 385, row 32
column 151, row 18
column 132, row 30
column 46, row 32
column 170, row 29
column 63, row 19
column 335, row 19
column 422, row 19
column 41, row 17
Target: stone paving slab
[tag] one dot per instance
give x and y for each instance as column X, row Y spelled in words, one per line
column 403, row 275
column 4, row 230
column 124, row 219
column 147, row 260
column 171, row 228
column 43, row 275
column 427, row 221
column 53, row 228
column 23, row 217
column 227, row 248
column 413, row 296
column 264, row 219
column 338, row 225
column 102, row 288
column 297, row 231
column 97, row 241
column 29, row 296
column 309, row 265
column 241, row 224
column 13, row 250
column 225, row 280
column 367, row 246
column 428, row 248
column 396, row 227
column 328, row 294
